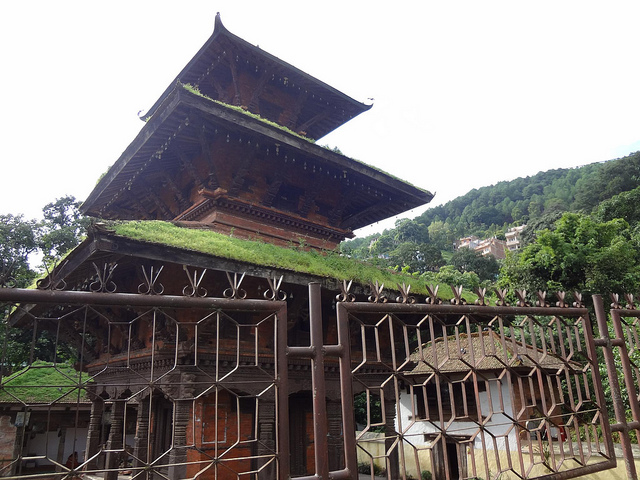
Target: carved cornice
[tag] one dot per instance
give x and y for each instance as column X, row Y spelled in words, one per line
column 217, row 201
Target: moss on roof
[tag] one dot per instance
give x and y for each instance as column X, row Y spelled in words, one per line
column 327, row 264
column 196, row 91
column 44, row 383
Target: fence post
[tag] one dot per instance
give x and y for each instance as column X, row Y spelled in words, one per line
column 618, row 404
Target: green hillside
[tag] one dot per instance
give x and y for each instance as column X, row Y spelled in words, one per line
column 538, row 200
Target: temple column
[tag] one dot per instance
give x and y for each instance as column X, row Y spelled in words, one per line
column 115, row 441
column 181, row 415
column 178, row 455
column 62, row 439
column 266, row 439
column 390, row 437
column 141, row 441
column 16, row 467
column 93, row 435
column 335, row 442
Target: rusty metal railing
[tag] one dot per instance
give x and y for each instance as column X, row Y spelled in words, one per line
column 168, row 386
column 468, row 391
column 620, row 342
column 162, row 387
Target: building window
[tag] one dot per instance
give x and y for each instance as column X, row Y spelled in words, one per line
column 457, row 399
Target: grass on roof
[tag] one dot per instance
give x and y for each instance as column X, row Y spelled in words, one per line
column 195, row 90
column 44, row 382
column 327, row 264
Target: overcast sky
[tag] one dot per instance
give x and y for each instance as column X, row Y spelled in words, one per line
column 466, row 93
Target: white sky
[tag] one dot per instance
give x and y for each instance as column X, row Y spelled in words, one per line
column 467, row 93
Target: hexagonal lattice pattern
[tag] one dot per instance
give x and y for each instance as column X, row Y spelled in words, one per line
column 139, row 391
column 466, row 394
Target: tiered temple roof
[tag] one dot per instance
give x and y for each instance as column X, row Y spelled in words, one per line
column 226, row 147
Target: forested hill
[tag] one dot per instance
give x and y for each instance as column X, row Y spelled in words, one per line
column 524, row 199
column 536, row 200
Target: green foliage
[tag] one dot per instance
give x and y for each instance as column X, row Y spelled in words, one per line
column 44, row 382
column 467, row 260
column 365, row 468
column 449, row 275
column 485, row 210
column 369, row 412
column 580, row 254
column 62, row 228
column 18, row 239
column 625, row 205
column 59, row 231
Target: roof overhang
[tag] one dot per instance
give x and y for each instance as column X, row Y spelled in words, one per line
column 180, row 107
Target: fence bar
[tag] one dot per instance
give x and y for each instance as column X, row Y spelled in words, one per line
column 66, row 297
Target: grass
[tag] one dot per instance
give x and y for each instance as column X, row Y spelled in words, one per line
column 43, row 382
column 327, row 264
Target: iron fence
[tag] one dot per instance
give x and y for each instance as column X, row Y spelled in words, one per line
column 165, row 386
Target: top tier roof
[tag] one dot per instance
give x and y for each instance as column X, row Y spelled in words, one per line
column 217, row 69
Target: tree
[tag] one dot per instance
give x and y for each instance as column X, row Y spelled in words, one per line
column 625, row 205
column 581, row 254
column 18, row 239
column 418, row 257
column 62, row 227
column 410, row 231
column 441, row 235
column 59, row 231
column 467, row 260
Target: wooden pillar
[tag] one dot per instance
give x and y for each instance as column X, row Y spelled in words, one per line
column 390, row 436
column 62, row 439
column 181, row 416
column 115, row 441
column 267, row 435
column 16, row 467
column 178, row 455
column 93, row 435
column 335, row 443
column 142, row 441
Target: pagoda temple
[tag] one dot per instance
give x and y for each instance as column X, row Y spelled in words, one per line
column 177, row 391
column 230, row 146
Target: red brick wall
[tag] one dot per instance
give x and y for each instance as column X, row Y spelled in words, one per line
column 228, row 436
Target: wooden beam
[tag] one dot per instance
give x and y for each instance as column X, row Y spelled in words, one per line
column 313, row 120
column 234, row 75
column 163, row 207
column 336, row 213
column 212, row 181
column 241, row 174
column 355, row 218
column 257, row 91
column 273, row 188
column 189, row 167
column 310, row 195
column 182, row 202
column 293, row 114
column 222, row 93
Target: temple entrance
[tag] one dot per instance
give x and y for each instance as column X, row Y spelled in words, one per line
column 162, row 427
column 301, row 434
column 455, row 459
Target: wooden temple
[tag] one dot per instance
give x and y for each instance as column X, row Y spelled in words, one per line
column 230, row 146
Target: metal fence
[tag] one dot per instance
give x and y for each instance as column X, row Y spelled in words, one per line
column 161, row 386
